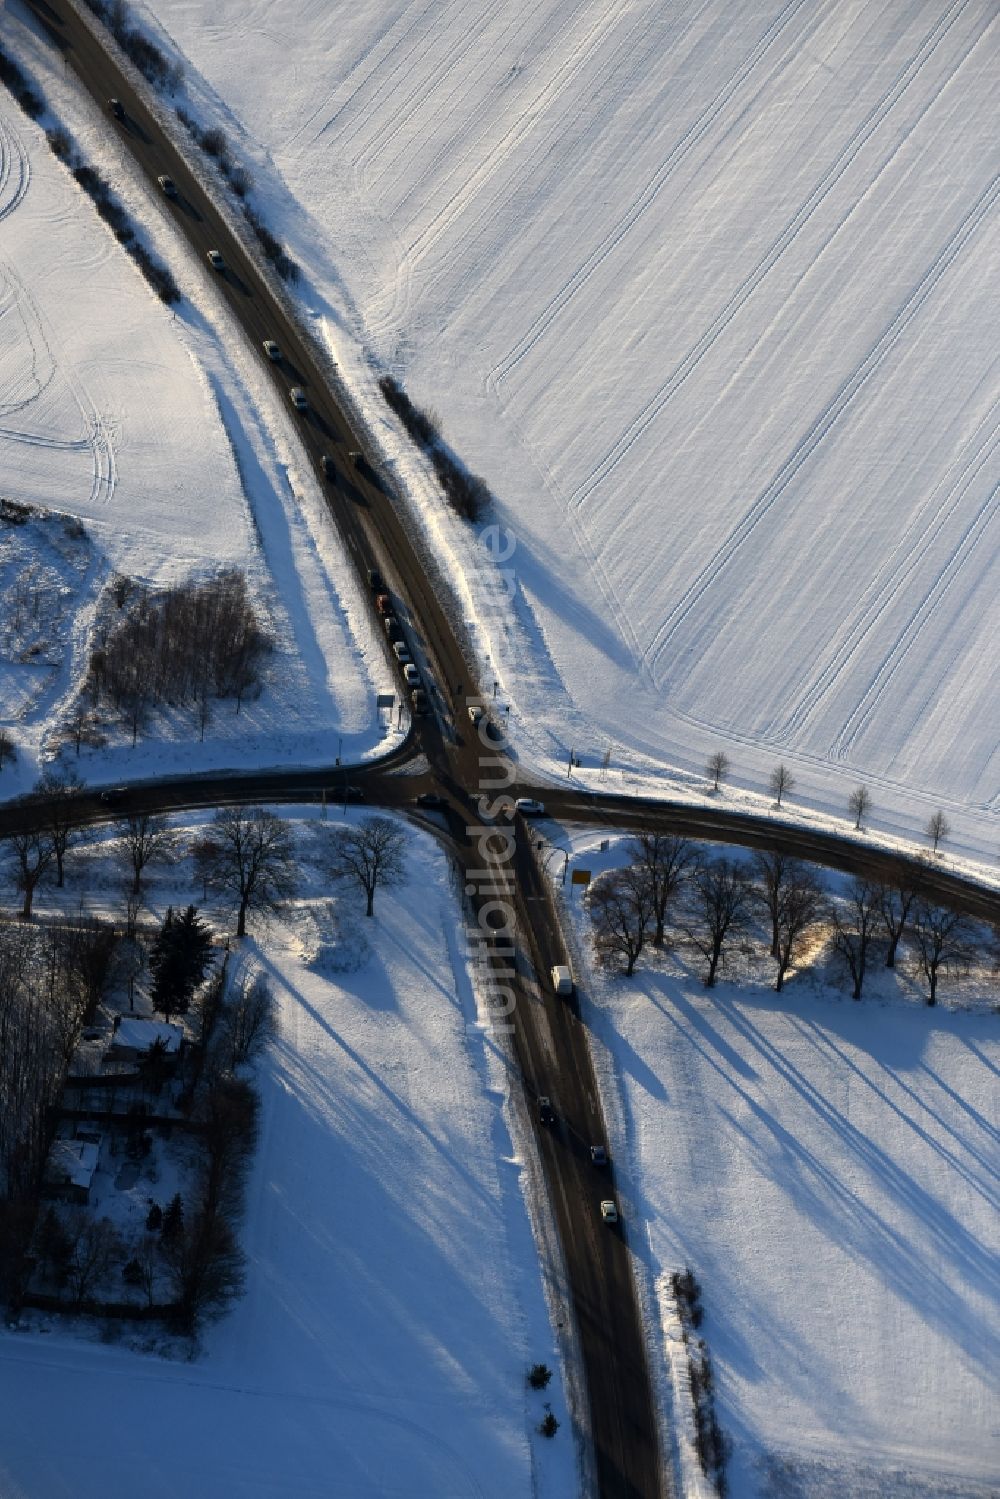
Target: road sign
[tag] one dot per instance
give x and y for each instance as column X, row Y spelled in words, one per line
column 386, row 700
column 581, row 877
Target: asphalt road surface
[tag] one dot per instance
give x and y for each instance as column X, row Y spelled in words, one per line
column 550, row 1044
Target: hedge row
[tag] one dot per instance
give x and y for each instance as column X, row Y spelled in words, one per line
column 135, row 44
column 93, row 184
column 115, row 215
column 467, row 494
column 29, row 99
column 214, row 144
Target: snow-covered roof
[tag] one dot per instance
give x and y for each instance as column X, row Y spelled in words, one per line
column 72, row 1162
column 140, row 1034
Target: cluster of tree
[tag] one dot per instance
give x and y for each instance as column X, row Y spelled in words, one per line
column 467, row 493
column 189, row 1251
column 51, row 981
column 44, row 846
column 713, row 901
column 198, row 640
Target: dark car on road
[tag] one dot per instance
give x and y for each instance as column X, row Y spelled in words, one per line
column 546, row 1112
column 117, row 108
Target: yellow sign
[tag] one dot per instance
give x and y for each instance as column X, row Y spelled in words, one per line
column 581, row 877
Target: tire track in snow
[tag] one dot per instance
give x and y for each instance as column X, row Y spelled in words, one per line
column 824, row 422
column 875, row 117
column 617, row 233
column 889, row 584
column 15, row 169
column 18, row 302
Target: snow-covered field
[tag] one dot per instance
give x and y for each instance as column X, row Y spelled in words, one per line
column 708, row 293
column 830, row 1170
column 395, row 1299
column 161, row 436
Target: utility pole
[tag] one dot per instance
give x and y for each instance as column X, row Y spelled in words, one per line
column 569, row 767
column 565, row 867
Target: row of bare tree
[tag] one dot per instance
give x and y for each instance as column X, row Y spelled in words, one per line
column 713, row 901
column 781, row 783
column 51, row 980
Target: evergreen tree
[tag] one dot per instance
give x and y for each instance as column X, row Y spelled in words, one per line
column 173, row 1220
column 154, row 1218
column 179, row 961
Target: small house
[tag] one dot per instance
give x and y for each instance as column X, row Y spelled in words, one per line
column 134, row 1036
column 69, row 1171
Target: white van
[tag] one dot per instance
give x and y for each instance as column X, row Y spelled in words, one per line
column 562, row 979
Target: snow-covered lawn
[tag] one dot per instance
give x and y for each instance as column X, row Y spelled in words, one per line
column 707, row 293
column 394, row 1299
column 158, row 432
column 830, row 1171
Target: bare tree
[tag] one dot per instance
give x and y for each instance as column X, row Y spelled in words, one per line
column 206, row 1267
column 95, row 1247
column 133, row 896
column 782, row 781
column 34, row 853
column 859, row 805
column 204, row 852
column 720, row 903
column 855, row 923
column 144, row 838
column 61, row 790
column 718, row 768
column 665, row 859
column 372, row 855
column 255, row 863
column 81, row 724
column 772, row 869
column 944, row 941
column 621, row 908
column 203, row 705
column 937, row 830
column 142, row 1269
column 803, row 906
column 895, row 899
column 248, row 1021
column 7, row 748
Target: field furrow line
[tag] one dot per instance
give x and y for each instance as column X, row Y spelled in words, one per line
column 923, row 615
column 890, row 582
column 616, row 234
column 750, row 284
column 826, row 420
